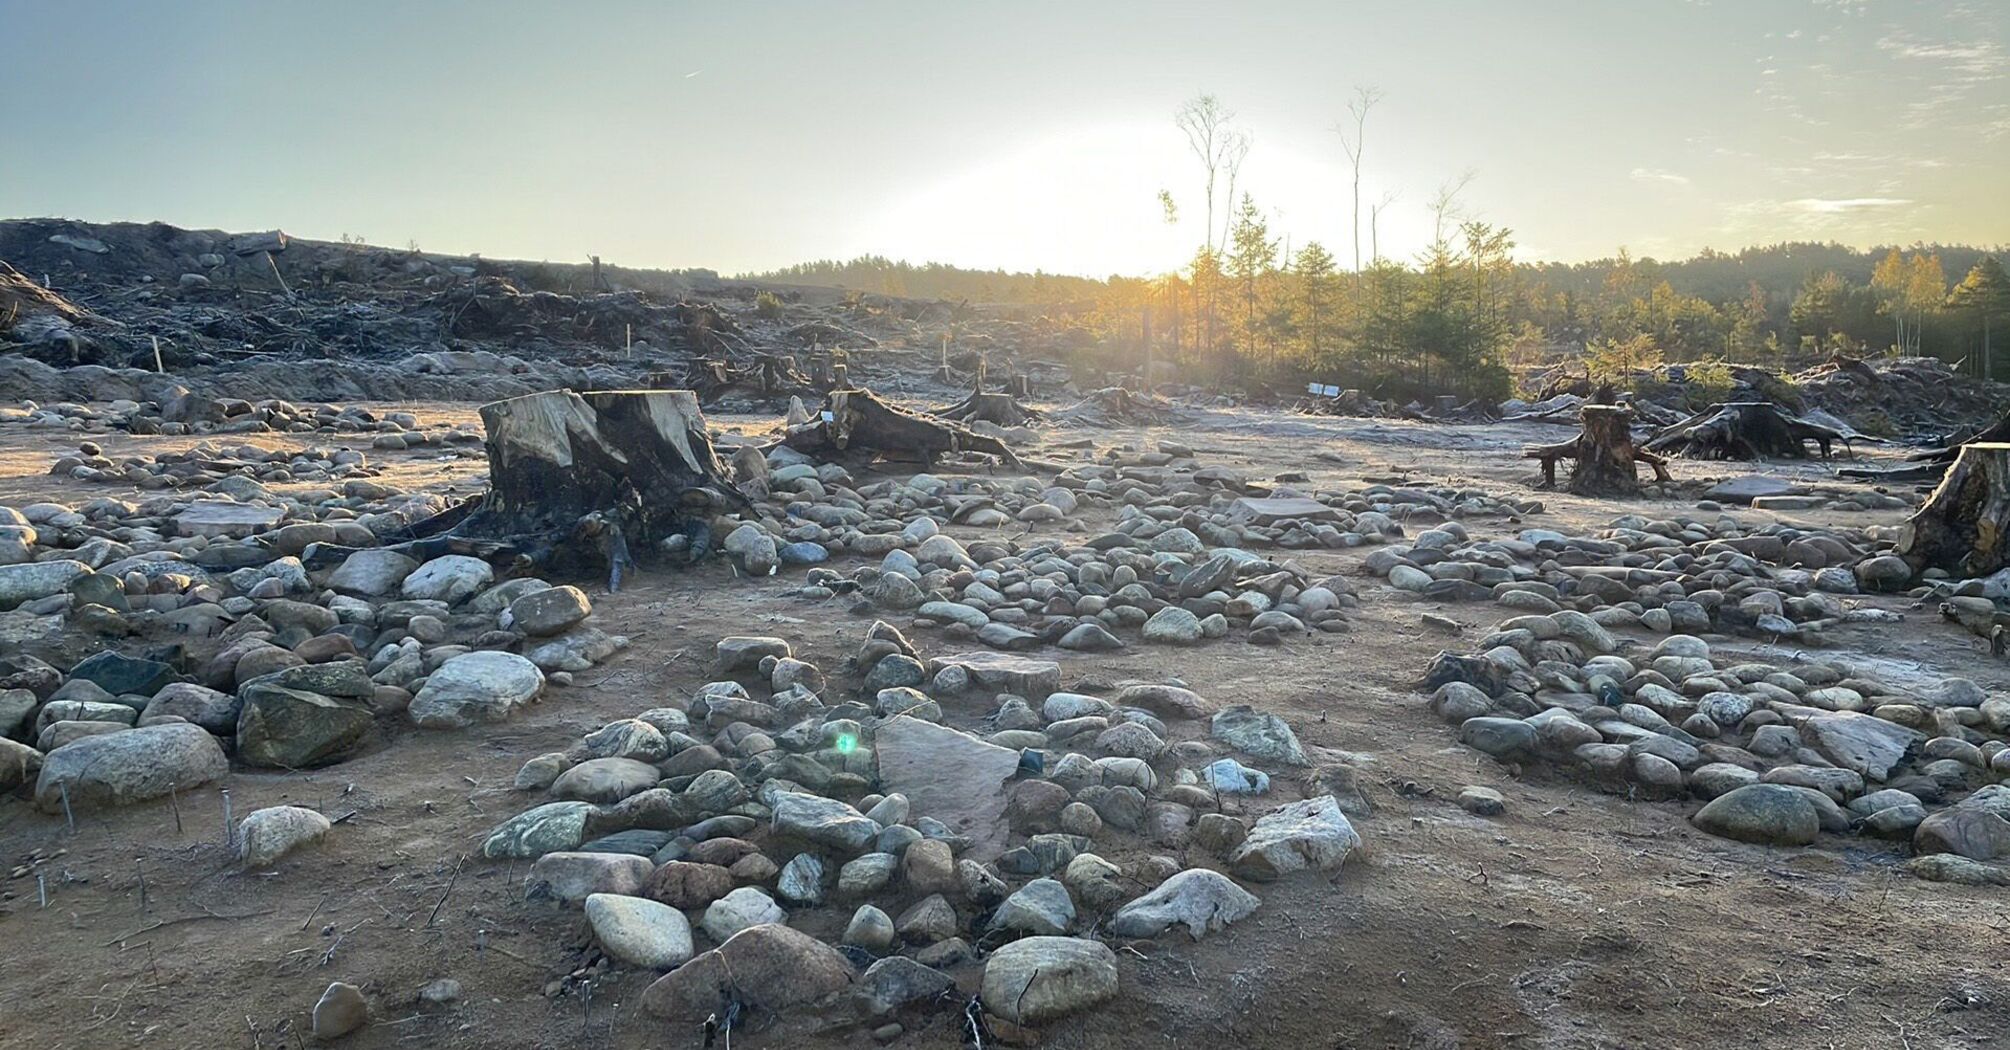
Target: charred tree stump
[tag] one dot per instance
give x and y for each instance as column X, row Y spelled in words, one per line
column 1003, row 409
column 1603, row 453
column 857, row 422
column 1745, row 430
column 580, row 482
column 1964, row 526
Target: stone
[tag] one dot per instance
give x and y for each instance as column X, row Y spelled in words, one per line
column 1862, row 743
column 605, row 780
column 871, row 929
column 271, row 833
column 1482, row 801
column 127, row 766
column 638, row 931
column 482, row 686
column 551, row 611
column 1499, row 737
column 928, row 866
column 340, row 1011
column 209, row 708
column 892, row 983
column 1007, row 672
column 823, row 821
column 19, row 764
column 283, row 728
column 450, row 578
column 688, row 885
column 1203, row 901
column 742, row 909
column 1257, row 733
column 571, row 877
column 221, row 518
column 1974, row 833
column 950, row 776
column 1173, row 625
column 35, row 580
column 1041, row 908
column 768, row 968
column 1035, row 980
column 1309, row 835
column 1765, row 814
column 122, row 675
column 552, row 827
column 931, row 919
column 802, row 880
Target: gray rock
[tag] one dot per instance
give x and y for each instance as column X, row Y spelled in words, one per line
column 552, row 827
column 549, row 611
column 1201, row 900
column 1257, row 733
column 768, row 968
column 1309, row 835
column 127, row 766
column 605, row 780
column 273, row 832
column 823, row 821
column 340, row 1011
column 951, row 776
column 1766, row 814
column 449, row 578
column 741, row 909
column 639, row 931
column 1041, row 908
column 571, row 877
column 482, row 686
column 371, row 573
column 1863, row 743
column 1039, row 979
column 892, row 983
column 870, row 928
column 284, row 728
column 1173, row 625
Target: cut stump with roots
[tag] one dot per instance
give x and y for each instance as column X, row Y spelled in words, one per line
column 1603, row 453
column 1964, row 526
column 858, row 423
column 581, row 482
column 1745, row 430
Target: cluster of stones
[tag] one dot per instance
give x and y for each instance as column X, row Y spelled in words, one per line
column 1178, row 565
column 191, row 413
column 1779, row 754
column 256, row 657
column 1670, row 575
column 736, row 819
column 206, row 464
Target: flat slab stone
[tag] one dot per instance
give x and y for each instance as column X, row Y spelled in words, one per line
column 217, row 518
column 1006, row 673
column 1752, row 486
column 1268, row 510
column 1864, row 744
column 951, row 776
column 1788, row 502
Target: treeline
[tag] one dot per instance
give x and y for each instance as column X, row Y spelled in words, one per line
column 1464, row 316
column 874, row 273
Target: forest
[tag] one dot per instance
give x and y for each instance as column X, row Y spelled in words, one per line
column 1463, row 315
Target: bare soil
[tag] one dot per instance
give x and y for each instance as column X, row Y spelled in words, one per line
column 1576, row 920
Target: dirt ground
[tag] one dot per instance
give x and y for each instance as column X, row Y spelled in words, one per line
column 1576, row 920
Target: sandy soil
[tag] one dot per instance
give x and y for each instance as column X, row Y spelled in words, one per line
column 1576, row 920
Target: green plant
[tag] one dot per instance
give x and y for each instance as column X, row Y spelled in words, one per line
column 768, row 305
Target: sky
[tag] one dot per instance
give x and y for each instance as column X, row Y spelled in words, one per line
column 750, row 135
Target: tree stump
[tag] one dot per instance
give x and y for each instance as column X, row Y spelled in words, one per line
column 1002, row 409
column 856, row 421
column 1604, row 455
column 1964, row 526
column 1744, row 430
column 578, row 482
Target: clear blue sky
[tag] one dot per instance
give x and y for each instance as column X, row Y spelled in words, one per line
column 751, row 135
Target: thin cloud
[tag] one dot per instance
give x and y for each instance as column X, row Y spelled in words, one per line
column 1846, row 205
column 1657, row 175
